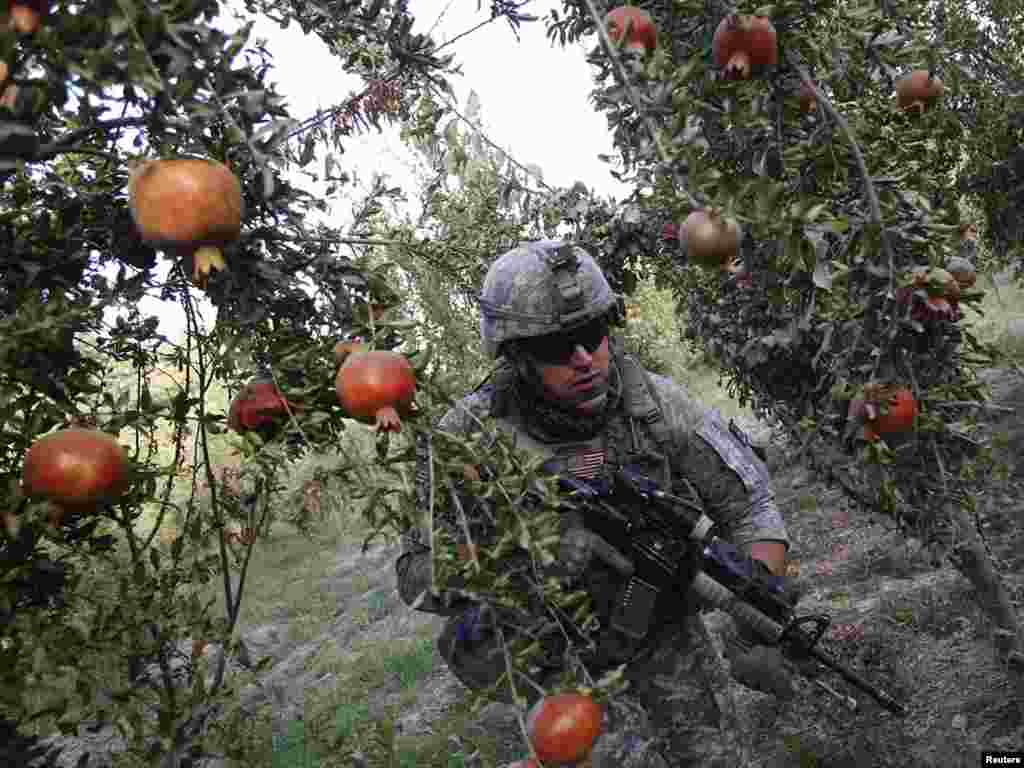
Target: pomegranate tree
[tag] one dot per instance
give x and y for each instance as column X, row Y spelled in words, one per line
column 188, row 206
column 744, row 43
column 375, row 387
column 75, row 468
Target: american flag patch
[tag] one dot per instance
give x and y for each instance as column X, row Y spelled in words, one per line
column 585, row 464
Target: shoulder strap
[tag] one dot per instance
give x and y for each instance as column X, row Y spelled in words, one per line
column 503, row 378
column 643, row 406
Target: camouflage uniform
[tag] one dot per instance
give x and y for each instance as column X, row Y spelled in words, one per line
column 675, row 682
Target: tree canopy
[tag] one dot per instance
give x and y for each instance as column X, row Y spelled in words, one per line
column 840, row 292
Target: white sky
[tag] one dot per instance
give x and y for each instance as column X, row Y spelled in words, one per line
column 534, row 99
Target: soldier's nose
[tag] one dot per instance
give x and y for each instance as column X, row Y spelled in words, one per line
column 580, row 357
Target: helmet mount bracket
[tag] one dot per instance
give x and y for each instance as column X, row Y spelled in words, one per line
column 565, row 265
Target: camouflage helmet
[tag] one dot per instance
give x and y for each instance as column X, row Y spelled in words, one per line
column 539, row 288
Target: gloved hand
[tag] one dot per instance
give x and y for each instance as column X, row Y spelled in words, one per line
column 579, row 546
column 758, row 667
column 475, row 625
column 764, row 668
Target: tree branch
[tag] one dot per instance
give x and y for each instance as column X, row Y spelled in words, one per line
column 103, row 125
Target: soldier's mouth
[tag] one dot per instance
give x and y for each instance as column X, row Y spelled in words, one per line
column 588, row 382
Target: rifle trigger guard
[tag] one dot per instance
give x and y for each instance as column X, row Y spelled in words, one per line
column 793, row 631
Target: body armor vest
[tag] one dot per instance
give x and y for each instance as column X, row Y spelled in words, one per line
column 637, row 435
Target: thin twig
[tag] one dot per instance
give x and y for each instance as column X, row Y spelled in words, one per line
column 511, row 684
column 483, row 136
column 393, row 74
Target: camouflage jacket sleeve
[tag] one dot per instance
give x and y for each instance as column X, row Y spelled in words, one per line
column 717, row 460
column 413, row 568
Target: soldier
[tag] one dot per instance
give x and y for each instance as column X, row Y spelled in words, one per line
column 568, row 392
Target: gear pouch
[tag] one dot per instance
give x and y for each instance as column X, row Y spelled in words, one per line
column 634, row 608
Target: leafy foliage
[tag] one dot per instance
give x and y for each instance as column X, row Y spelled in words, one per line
column 839, row 206
column 92, row 91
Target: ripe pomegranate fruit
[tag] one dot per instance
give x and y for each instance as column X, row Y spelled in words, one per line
column 712, row 240
column 636, row 24
column 27, row 15
column 191, row 207
column 75, row 468
column 807, row 99
column 743, row 42
column 937, row 282
column 258, row 404
column 918, row 91
column 963, row 272
column 900, row 415
column 375, row 386
column 562, row 728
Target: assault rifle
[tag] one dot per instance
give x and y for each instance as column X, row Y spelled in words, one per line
column 675, row 550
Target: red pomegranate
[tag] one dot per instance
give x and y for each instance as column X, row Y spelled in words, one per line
column 918, row 91
column 188, row 206
column 76, row 468
column 642, row 35
column 27, row 15
column 374, row 387
column 742, row 43
column 563, row 727
column 901, row 410
column 258, row 404
column 712, row 240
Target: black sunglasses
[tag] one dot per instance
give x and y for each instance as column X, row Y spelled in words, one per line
column 558, row 348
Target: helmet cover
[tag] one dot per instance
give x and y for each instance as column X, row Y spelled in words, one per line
column 538, row 288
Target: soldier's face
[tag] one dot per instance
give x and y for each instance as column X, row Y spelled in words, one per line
column 584, row 371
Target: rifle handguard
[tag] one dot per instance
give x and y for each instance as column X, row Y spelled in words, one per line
column 723, row 598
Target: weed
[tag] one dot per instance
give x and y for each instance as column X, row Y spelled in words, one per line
column 807, row 502
column 346, row 718
column 414, row 665
column 377, row 605
column 291, row 751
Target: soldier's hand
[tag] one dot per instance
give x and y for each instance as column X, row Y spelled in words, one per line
column 579, row 546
